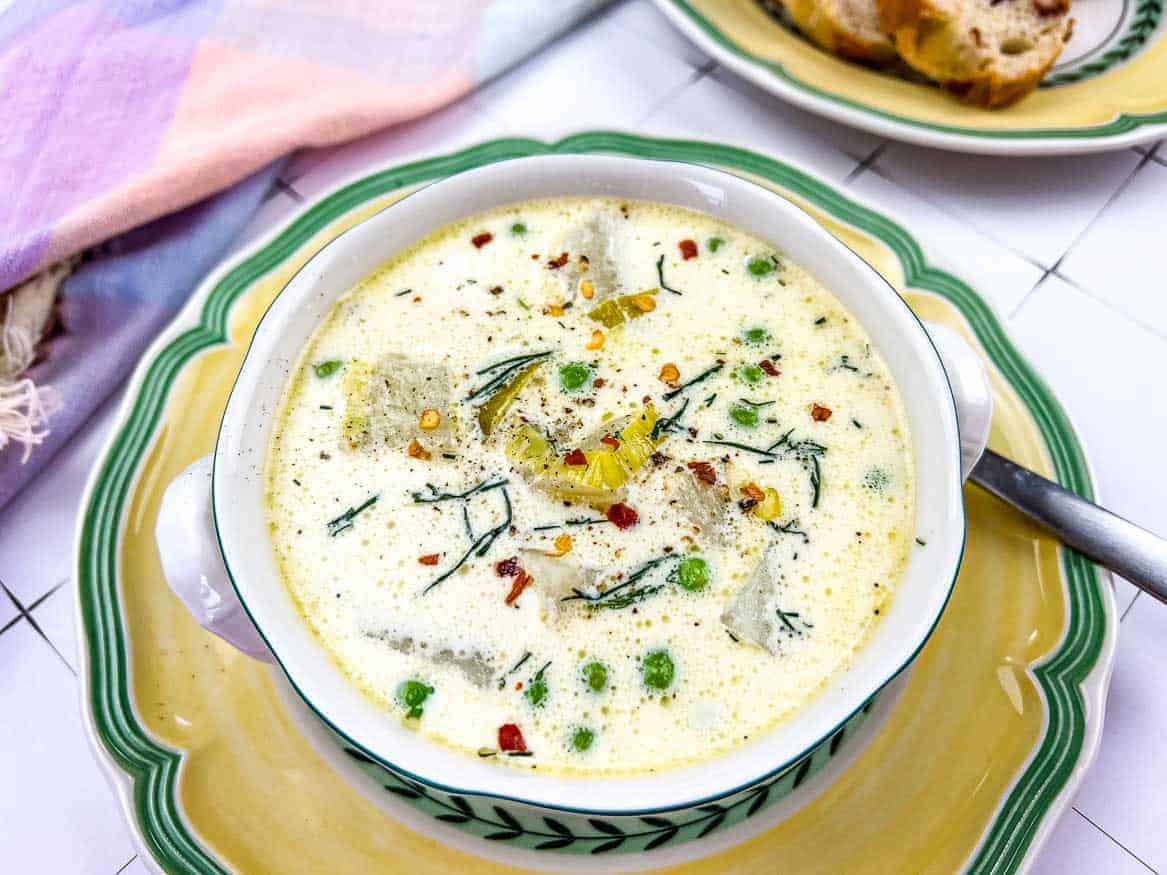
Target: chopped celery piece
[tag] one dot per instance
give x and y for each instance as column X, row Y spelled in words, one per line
column 616, row 311
column 491, row 413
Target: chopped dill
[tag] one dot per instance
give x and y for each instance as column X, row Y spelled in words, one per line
column 709, row 400
column 786, row 616
column 325, row 406
column 522, row 659
column 746, row 448
column 921, row 542
column 500, row 373
column 660, row 275
column 581, row 521
column 524, row 304
column 755, row 404
column 822, row 320
column 700, row 378
column 625, row 593
column 482, row 544
column 344, row 522
column 669, row 423
column 434, row 496
column 789, row 528
column 857, row 423
column 402, row 293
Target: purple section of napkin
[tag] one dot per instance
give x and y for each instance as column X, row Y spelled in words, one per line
column 116, row 302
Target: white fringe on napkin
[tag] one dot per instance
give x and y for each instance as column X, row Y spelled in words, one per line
column 25, row 408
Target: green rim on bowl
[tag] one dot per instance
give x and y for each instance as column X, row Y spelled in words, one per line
column 153, row 769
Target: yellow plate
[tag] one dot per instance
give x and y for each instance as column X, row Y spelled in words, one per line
column 993, row 731
column 1108, row 90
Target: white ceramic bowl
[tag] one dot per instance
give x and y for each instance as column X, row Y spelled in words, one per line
column 194, row 551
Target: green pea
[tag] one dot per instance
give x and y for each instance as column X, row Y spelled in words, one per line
column 759, row 266
column 756, row 336
column 749, row 373
column 744, row 415
column 536, row 691
column 595, row 675
column 411, row 695
column 573, row 376
column 518, row 229
column 328, row 368
column 658, row 670
column 692, row 573
column 715, row 243
column 582, row 739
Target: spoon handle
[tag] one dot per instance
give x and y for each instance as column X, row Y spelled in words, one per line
column 1123, row 547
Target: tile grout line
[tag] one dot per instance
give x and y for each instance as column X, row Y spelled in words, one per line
column 865, row 163
column 1131, row 605
column 26, row 615
column 1040, row 280
column 1135, row 856
column 692, row 79
column 286, row 187
column 959, row 219
column 1114, row 195
column 1150, row 329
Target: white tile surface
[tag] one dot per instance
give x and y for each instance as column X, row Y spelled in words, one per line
column 583, row 82
column 1037, row 206
column 1112, row 259
column 643, row 18
column 856, row 143
column 983, row 214
column 314, row 170
column 740, row 121
column 1078, row 846
column 8, row 611
column 1118, row 403
column 1123, row 793
column 54, row 615
column 57, row 814
column 1002, row 276
column 36, row 529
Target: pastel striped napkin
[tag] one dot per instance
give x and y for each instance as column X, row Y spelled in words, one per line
column 117, row 113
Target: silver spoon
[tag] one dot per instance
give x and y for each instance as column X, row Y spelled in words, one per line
column 1124, row 548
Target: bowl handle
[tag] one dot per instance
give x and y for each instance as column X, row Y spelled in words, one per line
column 193, row 562
column 970, row 389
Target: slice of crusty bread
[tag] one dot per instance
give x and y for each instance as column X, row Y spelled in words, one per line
column 988, row 52
column 848, row 28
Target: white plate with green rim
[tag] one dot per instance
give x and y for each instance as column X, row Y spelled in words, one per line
column 1107, row 91
column 995, row 727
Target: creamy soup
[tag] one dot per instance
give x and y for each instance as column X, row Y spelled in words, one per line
column 591, row 486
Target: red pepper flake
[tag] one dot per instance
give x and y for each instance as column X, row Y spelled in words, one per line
column 598, row 383
column 510, row 738
column 688, row 249
column 769, row 367
column 819, row 413
column 480, row 240
column 610, row 441
column 703, row 471
column 522, row 581
column 431, row 559
column 507, row 567
column 575, row 458
column 557, row 262
column 622, row 516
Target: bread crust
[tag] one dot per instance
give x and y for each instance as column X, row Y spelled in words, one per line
column 823, row 23
column 951, row 49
